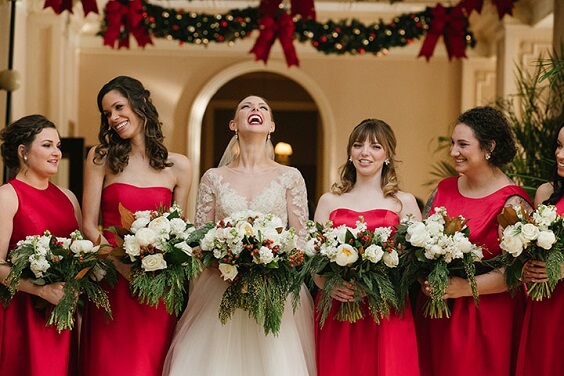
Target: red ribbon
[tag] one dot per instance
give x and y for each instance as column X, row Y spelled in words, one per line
column 125, row 18
column 277, row 23
column 59, row 6
column 504, row 7
column 451, row 26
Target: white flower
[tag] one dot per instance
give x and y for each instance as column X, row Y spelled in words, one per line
column 391, row 259
column 65, row 242
column 546, row 239
column 38, row 265
column 382, row 233
column 244, row 228
column 228, row 271
column 310, row 247
column 461, row 242
column 208, row 241
column 373, row 253
column 265, row 255
column 139, row 223
column 145, row 236
column 529, row 232
column 512, row 245
column 178, row 227
column 153, row 262
column 131, row 246
column 184, row 247
column 83, row 246
column 545, row 215
column 346, row 255
column 417, row 234
column 160, row 225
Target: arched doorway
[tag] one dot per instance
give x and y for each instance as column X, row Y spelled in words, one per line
column 295, row 112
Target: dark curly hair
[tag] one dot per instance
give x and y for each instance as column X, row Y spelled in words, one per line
column 21, row 132
column 557, row 182
column 489, row 124
column 115, row 149
column 373, row 129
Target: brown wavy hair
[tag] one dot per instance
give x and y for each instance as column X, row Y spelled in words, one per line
column 375, row 130
column 112, row 147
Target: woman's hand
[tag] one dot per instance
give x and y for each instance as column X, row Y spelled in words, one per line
column 534, row 271
column 53, row 292
column 343, row 293
column 457, row 287
column 123, row 269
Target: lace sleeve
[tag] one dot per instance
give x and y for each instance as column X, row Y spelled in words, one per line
column 296, row 198
column 205, row 203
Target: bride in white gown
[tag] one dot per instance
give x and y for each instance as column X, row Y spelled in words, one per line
column 247, row 179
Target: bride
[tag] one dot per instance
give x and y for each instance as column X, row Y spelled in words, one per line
column 247, row 178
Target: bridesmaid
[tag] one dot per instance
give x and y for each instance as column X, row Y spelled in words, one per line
column 30, row 205
column 368, row 189
column 475, row 341
column 542, row 337
column 130, row 166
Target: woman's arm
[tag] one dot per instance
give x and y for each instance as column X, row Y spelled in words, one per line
column 182, row 170
column 75, row 205
column 205, row 203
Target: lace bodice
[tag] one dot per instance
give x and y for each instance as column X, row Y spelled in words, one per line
column 280, row 191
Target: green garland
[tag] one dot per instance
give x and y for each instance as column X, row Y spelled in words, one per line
column 331, row 37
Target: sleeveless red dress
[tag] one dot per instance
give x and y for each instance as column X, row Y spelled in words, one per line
column 365, row 348
column 27, row 346
column 136, row 341
column 542, row 338
column 474, row 340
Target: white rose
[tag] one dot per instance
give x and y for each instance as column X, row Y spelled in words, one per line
column 545, row 215
column 139, row 223
column 417, row 234
column 184, row 247
column 244, row 228
column 178, row 227
column 310, row 247
column 83, row 246
column 373, row 253
column 153, row 262
column 529, row 232
column 512, row 245
column 265, row 255
column 161, row 226
column 145, row 236
column 391, row 259
column 346, row 255
column 131, row 246
column 228, row 271
column 461, row 242
column 546, row 239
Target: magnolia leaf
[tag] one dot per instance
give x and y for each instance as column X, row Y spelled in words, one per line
column 118, row 252
column 453, row 225
column 82, row 273
column 127, row 217
column 507, row 217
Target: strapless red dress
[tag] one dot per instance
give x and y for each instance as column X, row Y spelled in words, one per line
column 365, row 348
column 27, row 346
column 542, row 337
column 136, row 341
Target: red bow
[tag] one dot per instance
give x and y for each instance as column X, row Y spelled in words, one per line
column 451, row 26
column 277, row 23
column 125, row 18
column 59, row 6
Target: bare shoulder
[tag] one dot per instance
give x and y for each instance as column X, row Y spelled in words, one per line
column 543, row 193
column 8, row 198
column 406, row 197
column 179, row 159
column 69, row 194
column 409, row 204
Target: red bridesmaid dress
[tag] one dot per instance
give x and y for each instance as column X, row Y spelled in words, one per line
column 542, row 338
column 136, row 341
column 27, row 346
column 474, row 340
column 365, row 348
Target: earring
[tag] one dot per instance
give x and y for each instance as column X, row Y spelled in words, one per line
column 268, row 137
column 350, row 159
column 488, row 156
column 387, row 162
column 25, row 159
column 236, row 135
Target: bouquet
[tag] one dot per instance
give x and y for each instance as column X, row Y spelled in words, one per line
column 357, row 255
column 260, row 258
column 434, row 249
column 46, row 259
column 535, row 236
column 159, row 244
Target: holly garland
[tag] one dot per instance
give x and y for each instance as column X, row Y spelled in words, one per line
column 144, row 19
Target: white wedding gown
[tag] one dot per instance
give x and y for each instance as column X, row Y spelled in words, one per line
column 202, row 346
